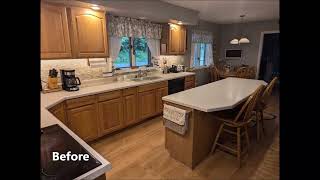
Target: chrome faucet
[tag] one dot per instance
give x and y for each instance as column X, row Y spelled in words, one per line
column 142, row 73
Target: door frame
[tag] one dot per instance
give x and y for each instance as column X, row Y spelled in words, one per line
column 261, row 47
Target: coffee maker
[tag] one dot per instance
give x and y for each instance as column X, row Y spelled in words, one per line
column 69, row 80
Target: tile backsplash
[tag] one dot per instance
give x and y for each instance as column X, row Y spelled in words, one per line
column 85, row 72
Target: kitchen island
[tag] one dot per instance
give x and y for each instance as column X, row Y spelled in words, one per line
column 194, row 146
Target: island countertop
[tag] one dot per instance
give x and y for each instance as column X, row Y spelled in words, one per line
column 220, row 95
column 50, row 99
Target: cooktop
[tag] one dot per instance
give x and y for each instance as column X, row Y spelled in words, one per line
column 55, row 139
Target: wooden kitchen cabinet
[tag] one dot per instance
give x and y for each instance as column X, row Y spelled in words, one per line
column 147, row 104
column 59, row 112
column 182, row 40
column 130, row 109
column 110, row 115
column 175, row 38
column 55, row 39
column 161, row 92
column 83, row 121
column 89, row 35
column 189, row 82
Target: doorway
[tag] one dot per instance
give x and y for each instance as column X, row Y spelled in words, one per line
column 270, row 57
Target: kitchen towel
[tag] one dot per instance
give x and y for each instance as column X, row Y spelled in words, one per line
column 175, row 119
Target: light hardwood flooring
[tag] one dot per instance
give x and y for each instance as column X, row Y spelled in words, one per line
column 139, row 153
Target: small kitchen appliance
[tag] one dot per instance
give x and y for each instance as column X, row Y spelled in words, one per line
column 69, row 80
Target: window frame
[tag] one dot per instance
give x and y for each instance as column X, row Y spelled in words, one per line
column 132, row 54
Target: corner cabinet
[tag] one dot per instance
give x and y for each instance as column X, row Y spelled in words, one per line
column 89, row 35
column 55, row 39
column 175, row 39
column 84, row 122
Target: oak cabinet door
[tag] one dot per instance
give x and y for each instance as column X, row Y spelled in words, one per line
column 174, row 40
column 89, row 33
column 161, row 92
column 110, row 115
column 189, row 85
column 182, row 40
column 55, row 39
column 59, row 112
column 83, row 121
column 130, row 109
column 147, row 104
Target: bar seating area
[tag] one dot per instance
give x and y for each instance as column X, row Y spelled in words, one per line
column 235, row 122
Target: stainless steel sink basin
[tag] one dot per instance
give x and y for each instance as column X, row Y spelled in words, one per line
column 146, row 78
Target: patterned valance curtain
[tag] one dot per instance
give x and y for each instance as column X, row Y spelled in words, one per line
column 131, row 27
column 199, row 36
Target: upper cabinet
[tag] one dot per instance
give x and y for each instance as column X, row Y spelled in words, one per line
column 89, row 35
column 55, row 39
column 173, row 40
column 72, row 32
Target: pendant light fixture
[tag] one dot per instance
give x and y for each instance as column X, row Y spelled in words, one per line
column 243, row 40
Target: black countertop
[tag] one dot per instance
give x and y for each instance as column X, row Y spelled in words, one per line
column 55, row 139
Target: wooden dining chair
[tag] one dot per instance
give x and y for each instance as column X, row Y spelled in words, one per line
column 214, row 74
column 262, row 105
column 235, row 123
column 241, row 72
column 251, row 73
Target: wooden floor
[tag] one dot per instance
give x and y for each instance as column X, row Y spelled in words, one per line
column 139, row 153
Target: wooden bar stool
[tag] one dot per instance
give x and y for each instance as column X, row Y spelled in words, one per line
column 235, row 123
column 261, row 106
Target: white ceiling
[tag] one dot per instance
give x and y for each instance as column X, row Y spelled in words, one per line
column 229, row 11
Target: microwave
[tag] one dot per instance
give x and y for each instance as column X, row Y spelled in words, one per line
column 233, row 53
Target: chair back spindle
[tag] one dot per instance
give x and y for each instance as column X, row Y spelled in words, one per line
column 244, row 114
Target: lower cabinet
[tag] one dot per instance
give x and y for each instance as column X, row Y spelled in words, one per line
column 130, row 109
column 159, row 94
column 58, row 112
column 147, row 104
column 189, row 85
column 84, row 122
column 110, row 115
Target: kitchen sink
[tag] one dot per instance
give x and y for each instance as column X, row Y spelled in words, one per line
column 146, row 78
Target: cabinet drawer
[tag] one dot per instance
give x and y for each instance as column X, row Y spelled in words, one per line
column 149, row 87
column 77, row 102
column 109, row 95
column 129, row 91
column 189, row 78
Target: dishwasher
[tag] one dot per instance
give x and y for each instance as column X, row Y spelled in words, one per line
column 175, row 85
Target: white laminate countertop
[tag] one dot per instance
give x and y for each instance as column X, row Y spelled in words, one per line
column 50, row 99
column 216, row 96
